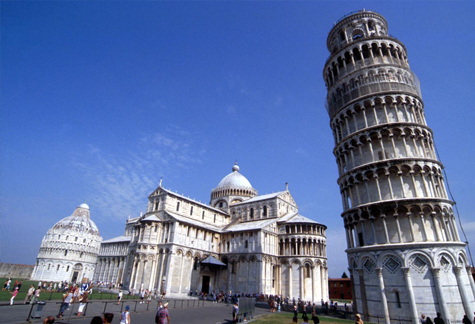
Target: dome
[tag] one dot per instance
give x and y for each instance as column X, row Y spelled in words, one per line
column 77, row 223
column 234, row 180
column 84, row 205
column 80, row 221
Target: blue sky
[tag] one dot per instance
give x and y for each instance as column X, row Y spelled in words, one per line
column 101, row 99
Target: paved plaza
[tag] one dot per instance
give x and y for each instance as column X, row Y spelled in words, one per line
column 181, row 311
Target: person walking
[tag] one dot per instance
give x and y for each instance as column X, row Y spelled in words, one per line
column 29, row 294
column 163, row 316
column 82, row 302
column 358, row 319
column 14, row 293
column 125, row 316
column 235, row 312
column 466, row 320
column 438, row 319
column 119, row 297
column 36, row 295
column 65, row 304
column 108, row 317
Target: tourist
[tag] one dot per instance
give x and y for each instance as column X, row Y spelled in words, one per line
column 423, row 319
column 429, row 321
column 358, row 319
column 235, row 312
column 29, row 294
column 65, row 304
column 466, row 320
column 96, row 320
column 82, row 302
column 125, row 316
column 305, row 319
column 119, row 297
column 49, row 320
column 142, row 295
column 36, row 296
column 438, row 319
column 295, row 319
column 315, row 318
column 163, row 316
column 108, row 317
column 14, row 293
column 9, row 281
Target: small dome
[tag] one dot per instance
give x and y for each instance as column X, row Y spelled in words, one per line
column 234, row 180
column 84, row 205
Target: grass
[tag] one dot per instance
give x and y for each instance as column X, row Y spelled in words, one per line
column 286, row 318
column 6, row 295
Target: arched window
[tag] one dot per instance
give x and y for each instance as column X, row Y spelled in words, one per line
column 66, row 253
column 398, row 299
column 308, row 274
column 251, row 213
column 76, row 239
column 203, row 215
column 178, row 206
column 221, row 204
column 227, row 245
column 195, row 264
column 264, row 211
column 157, row 204
column 191, row 211
column 245, row 244
column 67, row 269
column 214, row 220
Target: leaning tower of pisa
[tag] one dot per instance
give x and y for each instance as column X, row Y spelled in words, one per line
column 404, row 251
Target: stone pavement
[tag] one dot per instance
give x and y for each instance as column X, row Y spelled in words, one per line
column 181, row 311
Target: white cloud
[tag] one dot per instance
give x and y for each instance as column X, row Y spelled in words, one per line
column 121, row 181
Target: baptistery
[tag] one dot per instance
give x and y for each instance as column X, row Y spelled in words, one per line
column 69, row 249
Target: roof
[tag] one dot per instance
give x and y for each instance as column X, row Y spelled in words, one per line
column 118, row 239
column 259, row 198
column 251, row 225
column 195, row 222
column 153, row 218
column 195, row 202
column 301, row 219
column 212, row 261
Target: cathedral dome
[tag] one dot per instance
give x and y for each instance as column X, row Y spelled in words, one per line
column 231, row 189
column 234, row 180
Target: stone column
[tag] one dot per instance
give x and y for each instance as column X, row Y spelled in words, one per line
column 410, row 292
column 466, row 300
column 440, row 294
column 384, row 300
column 470, row 278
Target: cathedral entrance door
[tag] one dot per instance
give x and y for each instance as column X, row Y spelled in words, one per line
column 205, row 286
column 75, row 276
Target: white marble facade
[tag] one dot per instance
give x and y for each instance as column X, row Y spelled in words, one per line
column 264, row 245
column 69, row 250
column 404, row 251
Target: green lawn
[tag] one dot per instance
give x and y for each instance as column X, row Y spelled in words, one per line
column 6, row 295
column 286, row 318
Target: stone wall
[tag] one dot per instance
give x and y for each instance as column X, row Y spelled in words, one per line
column 11, row 270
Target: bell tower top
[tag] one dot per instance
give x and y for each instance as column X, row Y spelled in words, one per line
column 355, row 26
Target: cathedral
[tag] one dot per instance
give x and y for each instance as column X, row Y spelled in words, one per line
column 240, row 242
